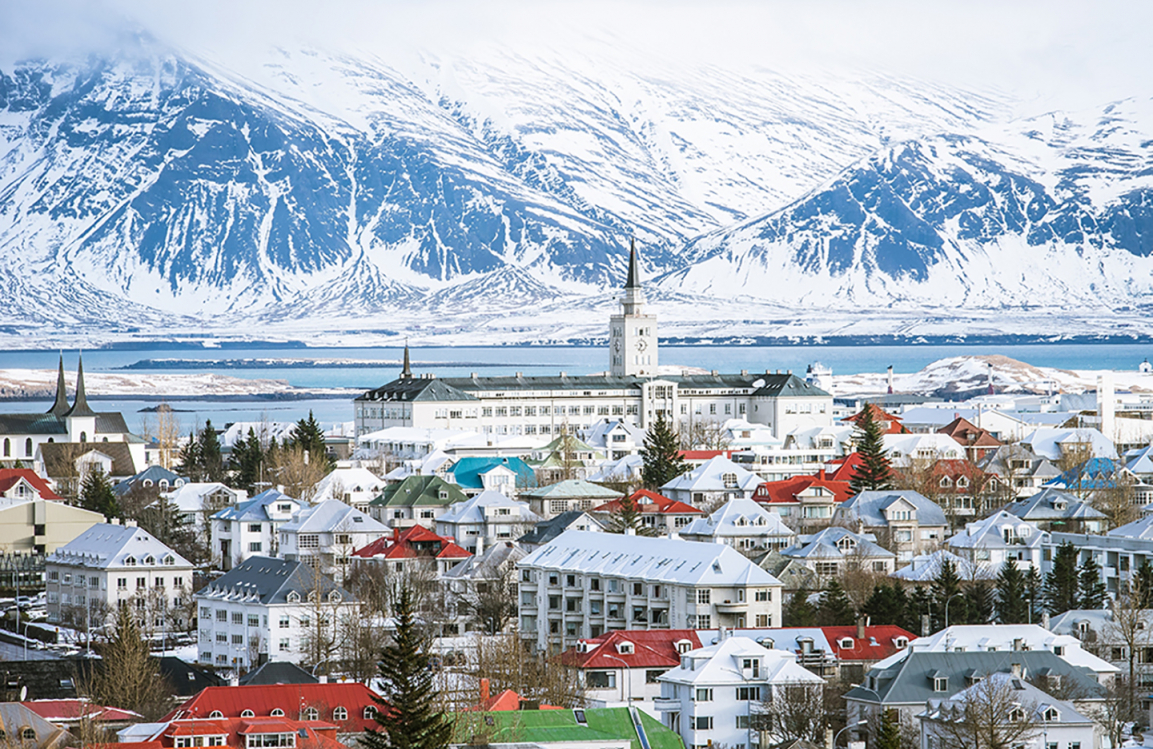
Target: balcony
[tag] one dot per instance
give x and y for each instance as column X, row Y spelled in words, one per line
column 732, row 607
column 666, row 704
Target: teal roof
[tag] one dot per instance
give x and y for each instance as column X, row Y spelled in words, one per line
column 468, row 471
column 547, row 726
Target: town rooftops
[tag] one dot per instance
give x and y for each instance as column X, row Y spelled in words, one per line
column 650, row 648
column 469, row 471
column 738, row 518
column 716, row 474
column 414, row 542
column 107, row 546
column 837, row 543
column 786, row 491
column 547, row 530
column 152, row 476
column 1052, row 504
column 473, row 510
column 269, row 581
column 290, row 699
column 1001, row 530
column 256, row 509
column 640, row 557
column 722, row 662
column 650, row 503
column 333, row 516
column 419, row 491
column 1142, row 528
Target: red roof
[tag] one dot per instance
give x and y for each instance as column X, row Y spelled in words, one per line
column 262, row 699
column 506, row 701
column 786, row 490
column 649, row 502
column 700, row 456
column 878, row 643
column 846, row 467
column 70, row 710
column 651, row 648
column 313, row 734
column 891, row 424
column 10, row 476
column 968, row 434
column 413, row 542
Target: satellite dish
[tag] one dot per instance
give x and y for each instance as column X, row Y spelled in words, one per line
column 758, row 384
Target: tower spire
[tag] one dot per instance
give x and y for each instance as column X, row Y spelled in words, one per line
column 406, row 373
column 80, row 405
column 634, row 279
column 60, row 406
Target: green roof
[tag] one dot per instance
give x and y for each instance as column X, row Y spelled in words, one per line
column 571, row 489
column 560, row 726
column 418, row 491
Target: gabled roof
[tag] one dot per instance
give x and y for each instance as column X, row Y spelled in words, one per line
column 155, row 474
column 190, row 496
column 651, row 648
column 1140, row 461
column 9, row 477
column 650, row 503
column 845, row 467
column 60, row 457
column 1023, row 693
column 547, row 530
column 472, row 510
column 925, row 568
column 488, row 565
column 828, row 542
column 333, row 516
column 38, row 424
column 413, row 543
column 890, row 423
column 1142, row 528
column 992, row 533
column 869, row 507
column 419, row 491
column 1052, row 504
column 721, row 664
column 737, row 518
column 348, row 479
column 786, row 490
column 269, row 581
column 968, row 434
column 880, row 641
column 67, row 711
column 105, row 546
column 256, row 509
column 278, row 672
column 572, row 489
column 709, row 476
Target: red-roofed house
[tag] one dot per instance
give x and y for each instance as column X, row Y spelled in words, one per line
column 69, row 713
column 347, row 705
column 657, row 511
column 857, row 648
column 23, row 484
column 700, row 457
column 412, row 545
column 242, row 733
column 621, row 667
column 804, row 500
column 890, row 424
column 977, row 442
column 962, row 489
column 506, row 701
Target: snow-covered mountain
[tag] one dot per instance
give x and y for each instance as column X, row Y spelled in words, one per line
column 157, row 191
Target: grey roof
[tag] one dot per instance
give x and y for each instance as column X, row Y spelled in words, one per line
column 32, row 424
column 909, row 681
column 1041, row 506
column 487, row 565
column 186, row 679
column 825, row 544
column 16, row 717
column 105, row 546
column 1024, row 694
column 60, row 404
column 269, row 581
column 80, row 404
column 547, row 530
column 868, row 507
column 278, row 672
column 465, row 388
column 332, row 515
column 155, row 474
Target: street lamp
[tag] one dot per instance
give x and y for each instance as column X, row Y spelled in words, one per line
column 947, row 601
column 854, row 726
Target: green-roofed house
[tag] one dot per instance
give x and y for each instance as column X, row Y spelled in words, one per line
column 418, row 500
column 596, row 728
column 573, row 494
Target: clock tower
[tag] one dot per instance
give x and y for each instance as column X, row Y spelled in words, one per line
column 632, row 333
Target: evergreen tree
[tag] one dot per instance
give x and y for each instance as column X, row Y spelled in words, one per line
column 1062, row 585
column 407, row 713
column 874, row 472
column 208, row 447
column 889, row 734
column 1144, row 584
column 96, row 494
column 834, row 608
column 979, row 603
column 627, row 516
column 920, row 606
column 1035, row 593
column 246, row 461
column 662, row 456
column 888, row 604
column 948, row 598
column 1089, row 586
column 1012, row 594
column 798, row 611
column 308, row 436
column 190, row 463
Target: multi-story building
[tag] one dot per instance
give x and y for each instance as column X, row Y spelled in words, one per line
column 108, row 566
column 33, row 520
column 582, row 584
column 804, row 501
column 198, row 501
column 911, row 523
column 633, row 391
column 998, row 538
column 715, row 481
column 742, row 524
column 252, row 527
column 710, row 699
column 325, row 536
column 417, row 500
column 834, row 550
column 573, row 494
column 266, row 609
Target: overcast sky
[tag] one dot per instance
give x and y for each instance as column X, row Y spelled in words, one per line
column 1059, row 54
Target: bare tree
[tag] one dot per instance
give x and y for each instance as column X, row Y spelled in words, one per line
column 507, row 663
column 491, row 600
column 992, row 714
column 127, row 675
column 1074, row 456
column 291, row 467
column 1118, row 502
column 703, row 434
column 792, row 711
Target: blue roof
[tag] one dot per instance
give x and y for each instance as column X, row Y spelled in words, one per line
column 155, row 474
column 1095, row 473
column 253, row 509
column 468, row 471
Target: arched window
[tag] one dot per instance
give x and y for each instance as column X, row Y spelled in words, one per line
column 28, row 447
column 105, row 439
column 340, row 714
column 277, row 713
column 311, row 713
column 149, row 559
column 7, row 447
column 129, row 561
column 84, row 436
column 369, row 712
column 51, row 439
column 247, row 714
column 216, row 714
column 28, row 734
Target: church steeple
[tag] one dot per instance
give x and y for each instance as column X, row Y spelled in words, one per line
column 60, row 407
column 406, row 373
column 80, row 405
column 634, row 279
column 632, row 332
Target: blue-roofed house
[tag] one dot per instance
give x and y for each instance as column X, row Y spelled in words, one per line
column 252, row 528
column 507, row 475
column 153, row 478
column 1093, row 474
column 911, row 522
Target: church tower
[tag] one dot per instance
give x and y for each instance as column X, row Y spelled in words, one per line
column 632, row 333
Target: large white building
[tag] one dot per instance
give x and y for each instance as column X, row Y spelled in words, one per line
column 267, row 609
column 634, row 391
column 581, row 585
column 108, row 566
column 325, row 535
column 252, row 528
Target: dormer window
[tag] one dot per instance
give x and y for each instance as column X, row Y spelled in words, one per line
column 129, row 561
column 1060, row 504
column 846, row 643
column 625, row 648
column 945, row 482
column 293, row 597
column 277, row 713
column 940, row 683
column 684, row 646
column 149, row 560
column 1051, row 715
column 901, row 642
column 247, row 714
column 729, row 480
column 216, row 714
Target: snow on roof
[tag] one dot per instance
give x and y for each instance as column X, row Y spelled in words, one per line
column 1142, row 528
column 721, row 664
column 1000, row 530
column 472, row 510
column 1047, row 442
column 926, row 567
column 709, row 476
column 105, row 546
column 256, row 509
column 870, row 506
column 333, row 515
column 348, row 479
column 190, row 497
column 740, row 517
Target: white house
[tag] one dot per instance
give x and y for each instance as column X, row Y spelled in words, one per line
column 111, row 565
column 713, row 482
column 325, row 535
column 904, row 449
column 833, row 550
column 1053, row 443
column 581, row 585
column 479, row 522
column 710, row 697
column 623, row 667
column 353, row 486
column 997, row 538
column 616, row 439
column 742, row 524
column 252, row 527
column 198, row 501
column 267, row 608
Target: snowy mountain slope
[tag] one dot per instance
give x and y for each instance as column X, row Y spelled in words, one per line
column 1052, row 211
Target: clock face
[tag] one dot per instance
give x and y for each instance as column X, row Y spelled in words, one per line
column 641, row 344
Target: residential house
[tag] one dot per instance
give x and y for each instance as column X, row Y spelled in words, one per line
column 1059, row 723
column 325, row 535
column 33, row 520
column 615, row 438
column 925, row 568
column 573, row 494
column 66, row 464
column 794, row 574
column 1057, row 443
column 626, row 470
column 834, row 550
column 485, row 519
column 1017, row 465
column 252, row 527
column 266, row 609
column 742, row 524
column 198, row 501
column 998, row 538
column 478, row 579
column 1055, row 510
column 712, row 696
column 976, row 441
column 623, row 667
column 1139, row 465
column 961, row 488
column 23, row 727
column 1092, row 475
column 565, row 457
column 353, row 486
column 108, row 566
column 657, row 511
column 912, row 450
column 230, row 732
column 508, row 475
column 913, row 524
column 151, row 479
column 712, row 483
column 804, row 501
column 889, row 423
column 546, row 530
column 1097, row 630
column 417, row 500
column 416, row 545
column 581, row 585
column 23, row 484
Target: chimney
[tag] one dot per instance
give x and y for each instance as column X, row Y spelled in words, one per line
column 820, row 474
column 323, row 678
column 860, row 627
column 1015, row 669
column 1018, row 643
column 484, row 690
column 234, row 680
column 890, row 379
column 926, row 628
column 1045, row 620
